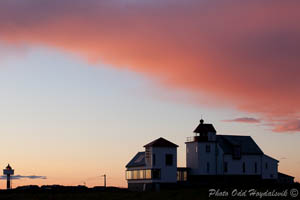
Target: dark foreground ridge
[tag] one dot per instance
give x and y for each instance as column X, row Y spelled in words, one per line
column 57, row 192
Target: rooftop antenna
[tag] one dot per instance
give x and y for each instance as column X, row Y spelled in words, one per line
column 104, row 175
column 201, row 120
column 8, row 171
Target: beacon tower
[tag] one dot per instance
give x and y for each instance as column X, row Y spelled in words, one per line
column 8, row 171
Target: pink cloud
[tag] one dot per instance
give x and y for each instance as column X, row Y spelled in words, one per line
column 290, row 126
column 244, row 120
column 243, row 53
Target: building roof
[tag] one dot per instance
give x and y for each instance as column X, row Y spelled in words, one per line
column 271, row 158
column 205, row 128
column 246, row 143
column 8, row 167
column 137, row 161
column 161, row 142
column 282, row 175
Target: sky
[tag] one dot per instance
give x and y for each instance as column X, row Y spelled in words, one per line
column 85, row 84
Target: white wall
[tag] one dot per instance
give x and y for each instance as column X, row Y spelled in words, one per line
column 235, row 167
column 220, row 166
column 192, row 157
column 168, row 173
column 271, row 170
column 198, row 158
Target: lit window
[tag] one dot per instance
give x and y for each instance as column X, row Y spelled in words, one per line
column 181, row 175
column 141, row 174
column 128, row 175
column 148, row 174
column 138, row 174
column 135, row 174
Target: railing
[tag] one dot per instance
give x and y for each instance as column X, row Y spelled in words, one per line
column 197, row 139
column 190, row 139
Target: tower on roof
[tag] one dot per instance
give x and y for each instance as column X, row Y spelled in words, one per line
column 205, row 132
column 201, row 121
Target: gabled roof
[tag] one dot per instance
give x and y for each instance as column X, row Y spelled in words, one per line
column 271, row 158
column 284, row 175
column 161, row 142
column 137, row 161
column 246, row 143
column 205, row 128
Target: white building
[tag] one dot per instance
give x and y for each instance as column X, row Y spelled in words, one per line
column 209, row 154
column 155, row 166
column 209, row 158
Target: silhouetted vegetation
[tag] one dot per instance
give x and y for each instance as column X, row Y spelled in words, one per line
column 56, row 192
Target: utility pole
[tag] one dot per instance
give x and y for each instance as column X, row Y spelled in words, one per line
column 104, row 175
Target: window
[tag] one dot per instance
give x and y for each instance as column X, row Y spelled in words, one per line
column 169, row 159
column 237, row 152
column 135, row 174
column 148, row 174
column 207, row 167
column 185, row 175
column 244, row 167
column 225, row 167
column 142, row 174
column 267, row 166
column 207, row 148
column 255, row 167
column 153, row 160
column 196, row 149
column 181, row 175
column 155, row 174
column 128, row 175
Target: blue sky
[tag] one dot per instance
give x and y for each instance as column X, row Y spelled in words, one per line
column 60, row 114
